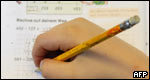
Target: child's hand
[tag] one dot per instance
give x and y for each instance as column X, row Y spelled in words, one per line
column 112, row 58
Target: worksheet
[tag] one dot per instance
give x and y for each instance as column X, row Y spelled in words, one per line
column 23, row 21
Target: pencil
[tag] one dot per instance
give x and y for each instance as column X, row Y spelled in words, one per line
column 99, row 38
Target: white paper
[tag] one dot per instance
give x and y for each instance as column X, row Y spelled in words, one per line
column 23, row 21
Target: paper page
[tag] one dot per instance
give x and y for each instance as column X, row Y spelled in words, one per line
column 22, row 21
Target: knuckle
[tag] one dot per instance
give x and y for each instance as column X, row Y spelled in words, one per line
column 39, row 37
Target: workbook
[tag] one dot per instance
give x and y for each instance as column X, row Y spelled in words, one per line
column 23, row 21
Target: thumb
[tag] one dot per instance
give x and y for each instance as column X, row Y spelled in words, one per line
column 56, row 69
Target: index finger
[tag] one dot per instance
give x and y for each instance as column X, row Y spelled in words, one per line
column 42, row 45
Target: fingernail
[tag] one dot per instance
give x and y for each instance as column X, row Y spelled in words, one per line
column 41, row 63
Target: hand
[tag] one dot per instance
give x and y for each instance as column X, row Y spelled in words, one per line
column 112, row 58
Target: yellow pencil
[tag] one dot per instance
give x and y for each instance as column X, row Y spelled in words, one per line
column 97, row 39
